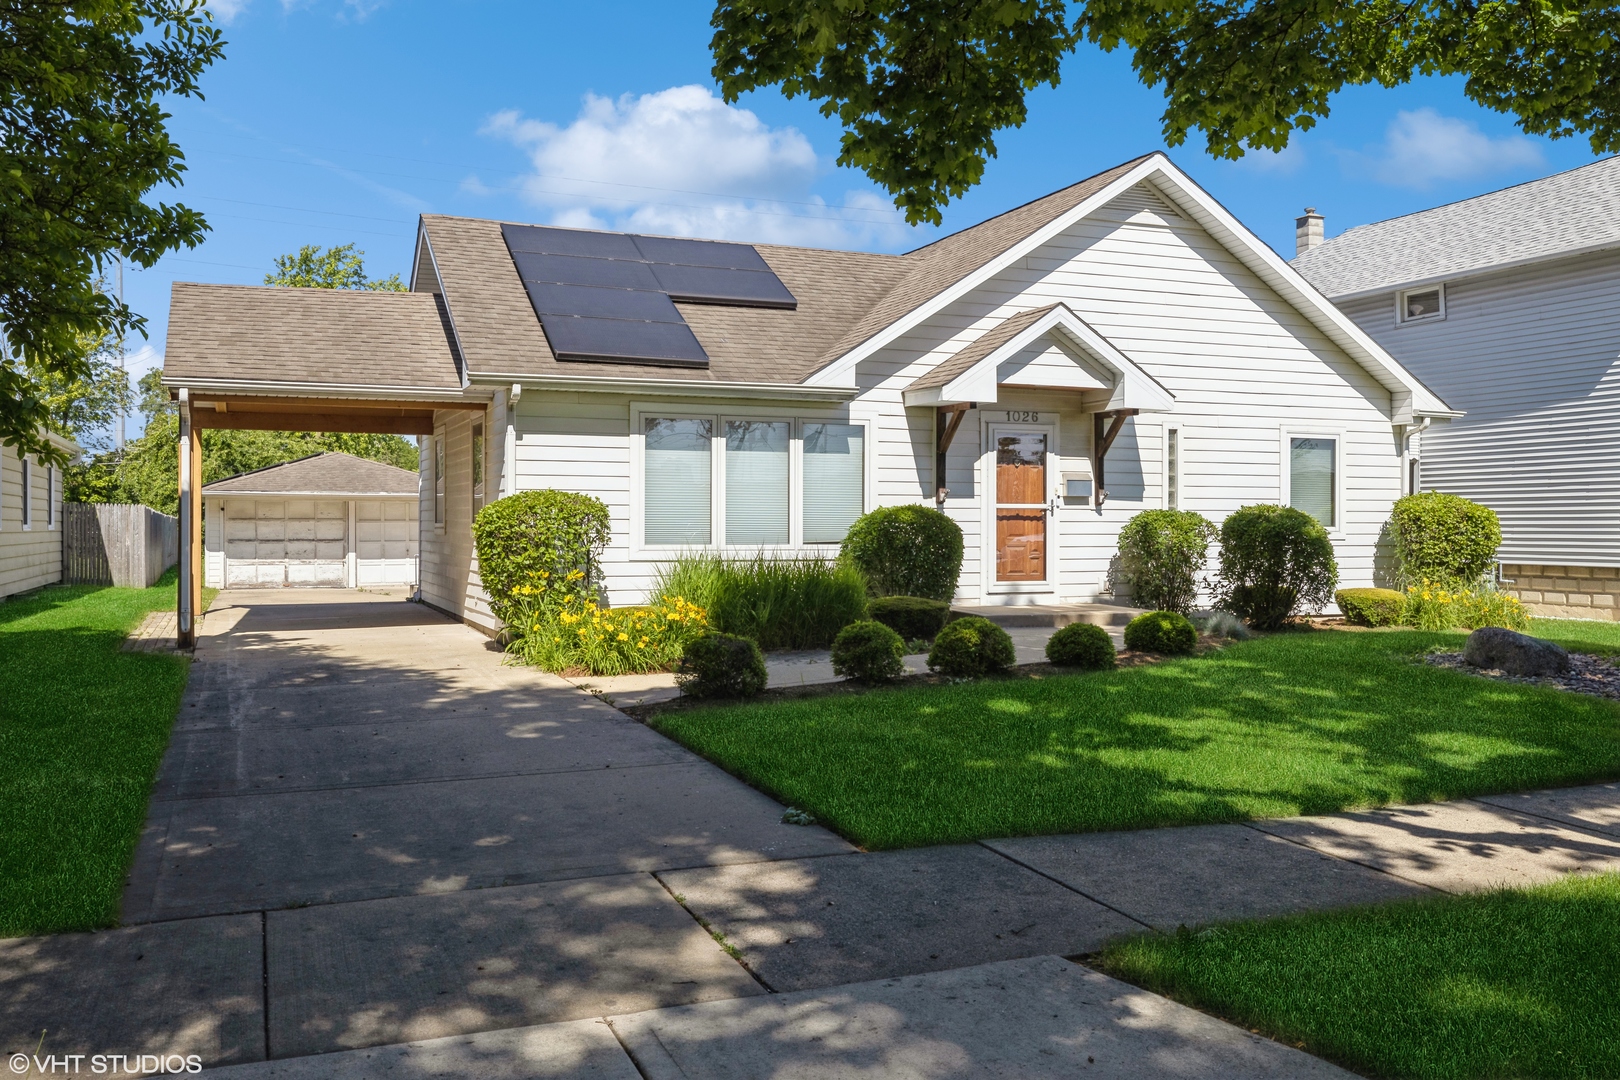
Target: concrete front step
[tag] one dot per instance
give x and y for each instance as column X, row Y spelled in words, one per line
column 1105, row 615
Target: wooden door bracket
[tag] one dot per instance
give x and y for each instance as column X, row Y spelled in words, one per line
column 1106, row 427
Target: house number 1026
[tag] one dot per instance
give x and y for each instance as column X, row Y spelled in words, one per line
column 1023, row 417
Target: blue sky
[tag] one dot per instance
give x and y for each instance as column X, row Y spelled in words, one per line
column 331, row 121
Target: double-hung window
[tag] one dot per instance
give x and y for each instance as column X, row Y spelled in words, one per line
column 1311, row 475
column 748, row 482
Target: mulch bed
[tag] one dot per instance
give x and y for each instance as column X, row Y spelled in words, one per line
column 1594, row 675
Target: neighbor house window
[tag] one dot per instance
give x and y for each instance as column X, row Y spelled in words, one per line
column 834, row 480
column 678, row 477
column 27, row 494
column 1312, row 477
column 749, row 481
column 438, row 479
column 1172, row 469
column 1418, row 305
column 50, row 496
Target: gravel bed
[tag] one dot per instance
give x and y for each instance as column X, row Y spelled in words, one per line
column 1593, row 675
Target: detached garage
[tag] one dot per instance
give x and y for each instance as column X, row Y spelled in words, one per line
column 330, row 520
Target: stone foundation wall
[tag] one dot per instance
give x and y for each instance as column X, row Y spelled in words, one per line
column 1565, row 592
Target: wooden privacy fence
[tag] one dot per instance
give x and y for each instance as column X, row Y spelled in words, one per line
column 121, row 544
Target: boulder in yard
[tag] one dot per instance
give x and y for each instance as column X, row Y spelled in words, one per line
column 1514, row 653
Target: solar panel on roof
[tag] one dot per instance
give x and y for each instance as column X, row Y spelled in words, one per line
column 717, row 253
column 549, row 241
column 592, row 302
column 623, row 341
column 709, row 285
column 574, row 270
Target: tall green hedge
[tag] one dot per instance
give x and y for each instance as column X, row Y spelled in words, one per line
column 1275, row 561
column 1440, row 537
column 906, row 550
column 539, row 536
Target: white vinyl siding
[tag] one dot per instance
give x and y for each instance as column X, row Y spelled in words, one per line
column 1533, row 355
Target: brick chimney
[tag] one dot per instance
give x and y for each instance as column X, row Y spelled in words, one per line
column 1307, row 231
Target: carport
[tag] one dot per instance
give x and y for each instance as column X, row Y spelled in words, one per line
column 326, row 360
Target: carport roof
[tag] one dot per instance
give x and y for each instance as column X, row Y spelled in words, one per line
column 326, row 474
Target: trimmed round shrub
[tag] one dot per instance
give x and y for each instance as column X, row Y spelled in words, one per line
column 914, row 618
column 537, row 539
column 1161, row 632
column 1275, row 561
column 721, row 666
column 1160, row 554
column 868, row 651
column 1370, row 607
column 906, row 551
column 1440, row 537
column 970, row 647
column 1081, row 645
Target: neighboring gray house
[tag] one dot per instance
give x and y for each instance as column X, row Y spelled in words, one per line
column 1508, row 307
column 31, row 519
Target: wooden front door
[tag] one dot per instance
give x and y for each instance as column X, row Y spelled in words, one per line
column 1020, row 505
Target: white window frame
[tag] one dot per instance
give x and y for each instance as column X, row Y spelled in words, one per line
column 1400, row 305
column 717, row 416
column 27, row 494
column 1285, row 479
column 1173, row 457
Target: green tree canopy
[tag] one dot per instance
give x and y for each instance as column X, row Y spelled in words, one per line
column 921, row 87
column 340, row 267
column 82, row 143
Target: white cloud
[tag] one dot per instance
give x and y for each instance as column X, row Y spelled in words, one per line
column 683, row 162
column 226, row 11
column 1284, row 162
column 141, row 361
column 1422, row 147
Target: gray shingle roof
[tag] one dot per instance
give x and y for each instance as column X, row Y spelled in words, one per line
column 301, row 336
column 1558, row 215
column 329, row 473
column 501, row 334
column 980, row 347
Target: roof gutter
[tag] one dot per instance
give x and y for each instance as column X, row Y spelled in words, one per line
column 358, row 391
column 595, row 384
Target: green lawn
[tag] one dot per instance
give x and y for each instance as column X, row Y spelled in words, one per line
column 1296, row 723
column 1502, row 984
column 82, row 727
column 1579, row 635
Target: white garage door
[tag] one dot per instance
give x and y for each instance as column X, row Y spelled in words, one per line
column 273, row 542
column 385, row 534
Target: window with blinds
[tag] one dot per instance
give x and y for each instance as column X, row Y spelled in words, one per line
column 834, row 480
column 1311, row 478
column 757, row 481
column 1172, row 469
column 678, row 481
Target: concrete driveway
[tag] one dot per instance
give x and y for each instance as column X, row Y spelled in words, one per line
column 367, row 830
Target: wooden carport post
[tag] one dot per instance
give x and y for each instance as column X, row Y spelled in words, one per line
column 189, row 598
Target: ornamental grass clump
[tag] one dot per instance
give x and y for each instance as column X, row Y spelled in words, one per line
column 562, row 628
column 1160, row 554
column 1275, row 562
column 869, row 652
column 795, row 603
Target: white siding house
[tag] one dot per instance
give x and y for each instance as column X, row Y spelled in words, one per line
column 30, row 519
column 1508, row 306
column 1119, row 345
